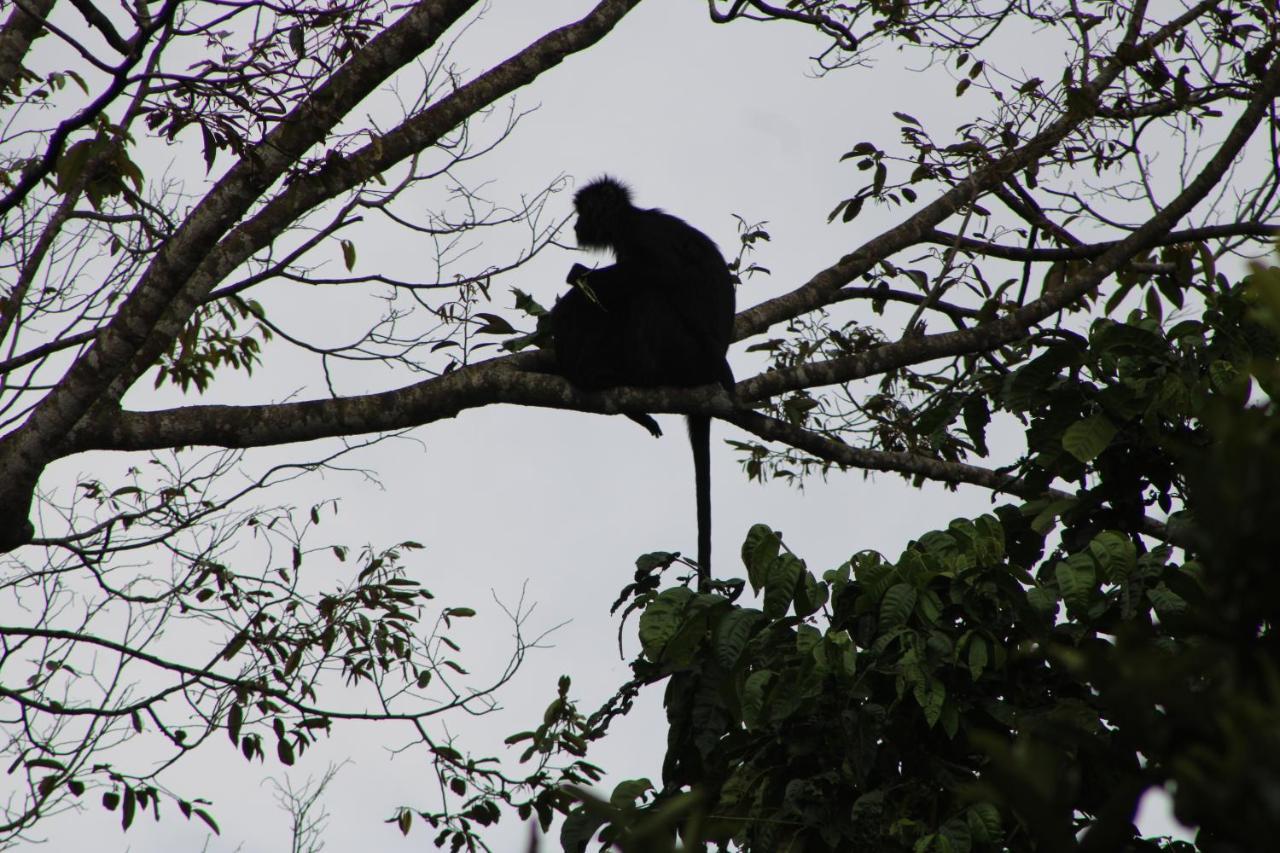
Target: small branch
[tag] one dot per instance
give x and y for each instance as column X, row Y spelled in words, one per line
column 61, row 343
column 1086, row 251
column 952, row 311
column 253, row 686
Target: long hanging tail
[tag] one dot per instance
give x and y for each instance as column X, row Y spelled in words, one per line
column 700, row 441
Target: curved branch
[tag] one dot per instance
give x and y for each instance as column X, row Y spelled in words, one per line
column 1085, row 251
column 951, row 473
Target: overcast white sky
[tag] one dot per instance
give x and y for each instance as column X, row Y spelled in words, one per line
column 704, row 121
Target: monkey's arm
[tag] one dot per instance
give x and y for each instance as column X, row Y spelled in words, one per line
column 648, row 423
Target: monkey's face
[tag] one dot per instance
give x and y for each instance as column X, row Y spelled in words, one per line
column 589, row 234
column 604, row 211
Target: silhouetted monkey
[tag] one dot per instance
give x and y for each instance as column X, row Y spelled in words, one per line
column 662, row 314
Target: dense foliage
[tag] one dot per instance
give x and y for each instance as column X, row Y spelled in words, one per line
column 1019, row 680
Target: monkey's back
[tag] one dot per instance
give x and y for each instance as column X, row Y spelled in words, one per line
column 689, row 300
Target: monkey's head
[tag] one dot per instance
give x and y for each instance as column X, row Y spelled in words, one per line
column 603, row 207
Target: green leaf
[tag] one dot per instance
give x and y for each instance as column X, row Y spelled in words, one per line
column 753, row 693
column 580, row 826
column 626, row 792
column 493, row 325
column 852, row 208
column 661, row 620
column 1225, row 377
column 1044, row 520
column 1121, row 339
column 984, row 823
column 977, row 414
column 931, row 694
column 896, row 606
column 284, row 752
column 759, row 550
column 235, row 719
column 1166, row 602
column 1076, row 579
column 1085, row 439
column 732, row 633
column 349, row 254
column 978, row 656
column 71, row 164
column 781, row 586
column 932, row 843
column 810, row 595
column 841, row 654
column 1043, row 601
column 988, row 543
column 807, row 639
column 929, row 606
column 204, row 816
column 236, row 644
column 1115, row 554
column 956, row 832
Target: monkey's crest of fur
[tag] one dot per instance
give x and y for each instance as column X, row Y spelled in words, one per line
column 604, row 208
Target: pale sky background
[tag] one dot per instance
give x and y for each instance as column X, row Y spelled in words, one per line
column 705, row 121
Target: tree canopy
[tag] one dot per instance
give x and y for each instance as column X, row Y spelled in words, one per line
column 1093, row 239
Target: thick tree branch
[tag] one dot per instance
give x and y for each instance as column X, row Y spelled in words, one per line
column 506, row 380
column 512, row 379
column 19, row 30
